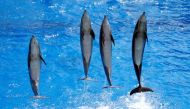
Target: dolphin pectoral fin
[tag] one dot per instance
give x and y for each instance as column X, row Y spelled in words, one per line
column 146, row 37
column 140, row 89
column 102, row 37
column 81, row 35
column 28, row 61
column 92, row 34
column 42, row 59
column 102, row 43
column 39, row 97
column 112, row 39
column 103, row 40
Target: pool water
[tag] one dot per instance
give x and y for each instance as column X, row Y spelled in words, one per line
column 56, row 24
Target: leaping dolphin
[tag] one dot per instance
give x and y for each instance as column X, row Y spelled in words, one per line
column 86, row 41
column 138, row 45
column 34, row 65
column 106, row 40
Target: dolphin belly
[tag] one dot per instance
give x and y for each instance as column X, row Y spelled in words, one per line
column 35, row 75
column 34, row 64
column 106, row 60
column 106, row 54
column 87, row 47
column 138, row 50
column 35, row 69
column 138, row 45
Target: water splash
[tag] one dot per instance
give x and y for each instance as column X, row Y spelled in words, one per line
column 137, row 101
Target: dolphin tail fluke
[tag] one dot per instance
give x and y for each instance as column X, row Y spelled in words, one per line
column 140, row 89
column 39, row 97
column 112, row 87
column 87, row 79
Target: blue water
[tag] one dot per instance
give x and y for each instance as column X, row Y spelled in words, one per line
column 56, row 25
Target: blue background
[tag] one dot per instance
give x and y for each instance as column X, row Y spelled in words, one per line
column 56, row 24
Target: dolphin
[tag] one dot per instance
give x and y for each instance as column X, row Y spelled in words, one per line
column 106, row 40
column 138, row 45
column 86, row 41
column 34, row 65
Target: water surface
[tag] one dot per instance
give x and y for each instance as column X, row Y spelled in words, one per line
column 56, row 24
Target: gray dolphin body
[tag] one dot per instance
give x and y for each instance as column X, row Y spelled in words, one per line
column 86, row 41
column 34, row 64
column 106, row 40
column 138, row 45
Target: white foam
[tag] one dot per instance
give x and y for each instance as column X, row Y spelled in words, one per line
column 84, row 107
column 139, row 101
column 98, row 107
column 62, row 10
column 103, row 107
column 105, row 101
column 35, row 105
column 49, row 36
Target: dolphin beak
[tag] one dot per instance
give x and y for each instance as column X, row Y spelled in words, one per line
column 105, row 18
column 85, row 12
column 143, row 14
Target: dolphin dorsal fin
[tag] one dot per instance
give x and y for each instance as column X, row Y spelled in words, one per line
column 42, row 59
column 112, row 39
column 92, row 34
column 146, row 36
